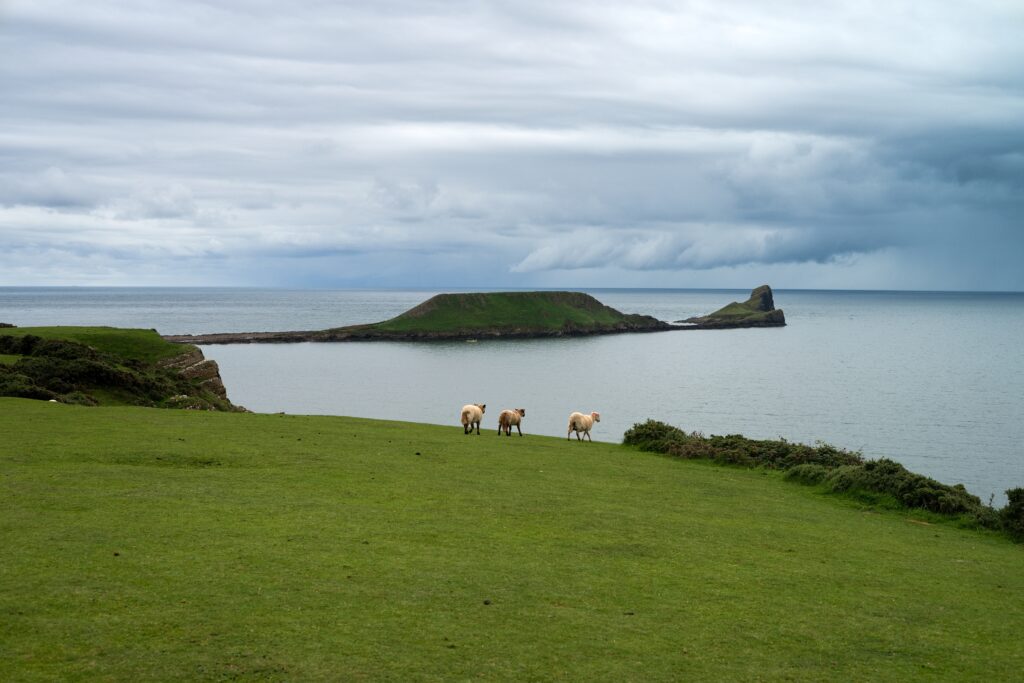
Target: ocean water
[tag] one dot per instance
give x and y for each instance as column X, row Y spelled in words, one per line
column 932, row 380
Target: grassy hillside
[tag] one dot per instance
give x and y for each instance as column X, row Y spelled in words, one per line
column 108, row 366
column 142, row 345
column 507, row 311
column 139, row 544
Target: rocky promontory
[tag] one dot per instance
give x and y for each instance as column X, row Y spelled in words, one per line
column 757, row 311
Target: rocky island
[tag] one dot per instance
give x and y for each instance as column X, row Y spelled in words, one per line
column 757, row 311
column 469, row 316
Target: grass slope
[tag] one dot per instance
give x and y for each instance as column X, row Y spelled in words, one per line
column 139, row 544
column 135, row 344
column 509, row 312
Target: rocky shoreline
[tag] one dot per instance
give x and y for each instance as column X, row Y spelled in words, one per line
column 357, row 335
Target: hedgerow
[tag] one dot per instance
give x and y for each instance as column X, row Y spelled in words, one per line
column 837, row 470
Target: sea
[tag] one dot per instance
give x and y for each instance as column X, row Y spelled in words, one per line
column 933, row 380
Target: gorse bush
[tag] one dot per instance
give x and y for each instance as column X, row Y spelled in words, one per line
column 838, row 470
column 1013, row 514
column 909, row 489
column 734, row 449
column 807, row 473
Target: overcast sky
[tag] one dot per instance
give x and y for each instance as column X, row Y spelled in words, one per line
column 868, row 145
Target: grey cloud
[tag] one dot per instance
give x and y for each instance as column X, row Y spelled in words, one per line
column 700, row 247
column 555, row 137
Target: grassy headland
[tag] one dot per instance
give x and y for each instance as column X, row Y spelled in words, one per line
column 139, row 544
column 477, row 315
column 108, row 366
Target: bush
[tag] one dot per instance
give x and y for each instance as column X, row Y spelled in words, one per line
column 79, row 398
column 734, row 449
column 653, row 436
column 909, row 489
column 807, row 473
column 884, row 480
column 1012, row 515
column 21, row 386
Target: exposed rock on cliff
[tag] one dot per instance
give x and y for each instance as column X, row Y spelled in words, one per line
column 192, row 365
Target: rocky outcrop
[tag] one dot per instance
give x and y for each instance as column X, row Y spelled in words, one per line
column 761, row 299
column 194, row 366
column 757, row 311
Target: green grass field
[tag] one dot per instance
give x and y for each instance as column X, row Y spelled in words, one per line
column 142, row 544
column 143, row 345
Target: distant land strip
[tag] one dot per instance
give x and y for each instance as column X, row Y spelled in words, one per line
column 507, row 315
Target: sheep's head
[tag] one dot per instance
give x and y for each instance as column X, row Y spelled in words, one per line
column 521, row 411
column 482, row 407
column 596, row 416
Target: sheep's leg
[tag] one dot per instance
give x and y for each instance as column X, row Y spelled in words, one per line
column 517, row 429
column 587, row 434
column 478, row 429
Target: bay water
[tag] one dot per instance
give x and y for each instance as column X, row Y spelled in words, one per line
column 932, row 380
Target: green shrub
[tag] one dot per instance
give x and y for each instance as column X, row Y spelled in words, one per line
column 734, row 449
column 807, row 473
column 21, row 386
column 79, row 398
column 909, row 489
column 653, row 436
column 882, row 481
column 1013, row 514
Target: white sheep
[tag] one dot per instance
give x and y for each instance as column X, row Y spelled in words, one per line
column 509, row 418
column 471, row 416
column 579, row 422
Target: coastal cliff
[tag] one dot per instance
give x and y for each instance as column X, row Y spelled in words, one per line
column 108, row 366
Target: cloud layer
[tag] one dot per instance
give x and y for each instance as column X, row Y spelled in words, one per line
column 512, row 143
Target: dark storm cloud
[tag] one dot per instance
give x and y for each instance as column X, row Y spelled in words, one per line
column 641, row 143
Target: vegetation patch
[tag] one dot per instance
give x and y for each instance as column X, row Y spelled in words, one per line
column 132, row 344
column 837, row 471
column 510, row 312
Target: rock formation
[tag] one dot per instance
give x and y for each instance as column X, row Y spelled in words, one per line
column 757, row 311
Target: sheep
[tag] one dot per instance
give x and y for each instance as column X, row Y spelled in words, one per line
column 471, row 415
column 508, row 418
column 579, row 422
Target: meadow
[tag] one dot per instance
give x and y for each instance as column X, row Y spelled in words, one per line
column 147, row 544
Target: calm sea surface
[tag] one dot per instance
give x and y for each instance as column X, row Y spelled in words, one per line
column 933, row 380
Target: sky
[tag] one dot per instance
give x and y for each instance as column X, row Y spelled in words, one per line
column 530, row 143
